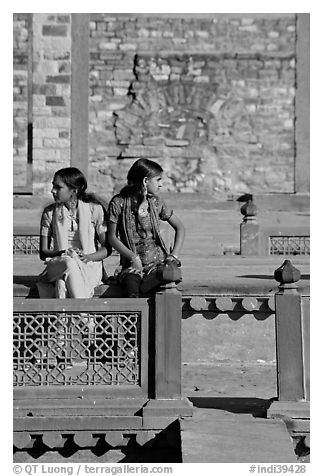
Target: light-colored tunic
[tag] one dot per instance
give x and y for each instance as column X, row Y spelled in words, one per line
column 66, row 275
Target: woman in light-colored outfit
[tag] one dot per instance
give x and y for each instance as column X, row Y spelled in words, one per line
column 76, row 227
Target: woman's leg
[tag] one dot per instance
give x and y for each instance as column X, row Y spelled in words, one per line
column 75, row 281
column 66, row 269
column 46, row 290
column 131, row 285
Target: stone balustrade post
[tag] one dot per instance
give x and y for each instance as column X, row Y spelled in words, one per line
column 167, row 403
column 168, row 316
column 291, row 327
column 249, row 228
column 293, row 353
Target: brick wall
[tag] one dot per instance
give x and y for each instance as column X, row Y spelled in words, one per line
column 212, row 99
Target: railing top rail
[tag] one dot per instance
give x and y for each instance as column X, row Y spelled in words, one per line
column 79, row 305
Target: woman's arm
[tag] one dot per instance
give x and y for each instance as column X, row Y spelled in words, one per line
column 98, row 255
column 116, row 243
column 101, row 233
column 44, row 249
column 120, row 247
column 46, row 235
column 178, row 226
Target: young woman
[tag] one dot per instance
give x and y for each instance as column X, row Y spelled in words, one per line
column 76, row 226
column 133, row 226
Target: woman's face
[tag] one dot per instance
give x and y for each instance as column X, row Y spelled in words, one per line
column 154, row 184
column 61, row 192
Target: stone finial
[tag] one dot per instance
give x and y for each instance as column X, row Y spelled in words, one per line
column 287, row 273
column 249, row 209
column 170, row 273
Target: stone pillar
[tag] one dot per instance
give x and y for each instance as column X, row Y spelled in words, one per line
column 249, row 229
column 302, row 105
column 167, row 404
column 60, row 95
column 80, row 92
column 289, row 342
column 292, row 349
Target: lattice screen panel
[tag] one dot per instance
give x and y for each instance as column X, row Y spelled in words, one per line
column 71, row 348
column 29, row 244
column 289, row 245
column 25, row 244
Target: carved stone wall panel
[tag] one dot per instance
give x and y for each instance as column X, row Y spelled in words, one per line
column 189, row 102
column 228, row 115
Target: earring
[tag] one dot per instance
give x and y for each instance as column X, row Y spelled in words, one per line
column 73, row 201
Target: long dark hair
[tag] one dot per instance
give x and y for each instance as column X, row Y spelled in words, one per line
column 138, row 171
column 74, row 178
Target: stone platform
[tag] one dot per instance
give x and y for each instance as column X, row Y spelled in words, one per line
column 222, row 359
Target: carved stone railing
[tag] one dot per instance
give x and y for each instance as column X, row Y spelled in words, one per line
column 26, row 244
column 64, row 343
column 270, row 240
column 97, row 369
column 114, row 365
column 234, row 306
column 286, row 241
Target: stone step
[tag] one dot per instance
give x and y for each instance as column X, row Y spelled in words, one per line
column 219, row 436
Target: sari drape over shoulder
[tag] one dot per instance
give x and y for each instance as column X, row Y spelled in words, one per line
column 140, row 235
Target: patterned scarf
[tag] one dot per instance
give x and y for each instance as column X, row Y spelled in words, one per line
column 126, row 220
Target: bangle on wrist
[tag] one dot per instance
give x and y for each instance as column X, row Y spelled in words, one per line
column 174, row 259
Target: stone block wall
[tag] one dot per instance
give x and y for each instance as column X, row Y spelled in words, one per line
column 20, row 96
column 51, row 96
column 210, row 98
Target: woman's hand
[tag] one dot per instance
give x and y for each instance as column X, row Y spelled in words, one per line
column 132, row 258
column 136, row 263
column 83, row 257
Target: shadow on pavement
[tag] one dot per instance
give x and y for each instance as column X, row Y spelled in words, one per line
column 257, row 407
column 267, row 276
